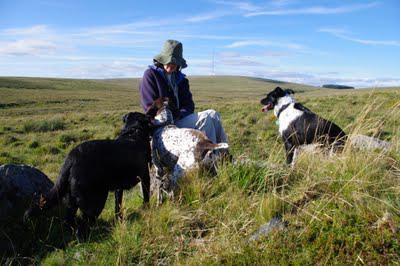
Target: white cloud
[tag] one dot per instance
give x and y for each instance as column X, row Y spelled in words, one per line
column 114, row 69
column 27, row 47
column 236, row 59
column 276, row 54
column 362, row 82
column 301, row 76
column 208, row 37
column 40, row 40
column 241, row 5
column 206, row 16
column 34, row 30
column 343, row 34
column 315, row 10
column 144, row 27
column 36, row 40
column 247, row 6
column 239, row 44
column 68, row 53
column 282, row 2
column 319, row 79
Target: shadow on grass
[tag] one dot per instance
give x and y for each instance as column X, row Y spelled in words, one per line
column 30, row 243
column 133, row 216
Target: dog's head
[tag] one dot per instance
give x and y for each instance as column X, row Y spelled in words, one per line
column 36, row 206
column 136, row 120
column 273, row 97
column 161, row 111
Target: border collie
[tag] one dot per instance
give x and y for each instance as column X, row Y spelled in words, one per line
column 298, row 125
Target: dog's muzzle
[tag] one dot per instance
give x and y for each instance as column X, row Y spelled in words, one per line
column 267, row 107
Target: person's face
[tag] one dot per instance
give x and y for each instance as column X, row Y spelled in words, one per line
column 169, row 68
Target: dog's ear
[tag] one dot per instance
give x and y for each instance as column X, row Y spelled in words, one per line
column 159, row 103
column 134, row 117
column 149, row 120
column 171, row 105
column 152, row 111
column 289, row 91
column 166, row 100
column 278, row 89
column 155, row 106
column 125, row 118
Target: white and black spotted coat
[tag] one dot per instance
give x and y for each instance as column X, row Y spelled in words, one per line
column 176, row 149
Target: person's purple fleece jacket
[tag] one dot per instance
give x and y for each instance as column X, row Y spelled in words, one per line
column 154, row 85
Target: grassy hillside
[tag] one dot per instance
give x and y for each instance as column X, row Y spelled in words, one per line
column 342, row 209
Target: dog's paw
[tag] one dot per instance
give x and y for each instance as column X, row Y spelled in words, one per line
column 82, row 234
column 145, row 205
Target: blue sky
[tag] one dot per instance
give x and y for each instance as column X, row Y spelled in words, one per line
column 313, row 42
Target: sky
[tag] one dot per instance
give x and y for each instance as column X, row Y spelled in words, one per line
column 345, row 42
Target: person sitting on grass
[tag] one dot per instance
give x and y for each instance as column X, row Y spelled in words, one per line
column 165, row 79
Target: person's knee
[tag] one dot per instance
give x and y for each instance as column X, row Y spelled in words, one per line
column 213, row 114
column 207, row 122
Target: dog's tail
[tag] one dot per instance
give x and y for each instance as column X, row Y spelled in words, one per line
column 54, row 196
column 219, row 146
column 208, row 145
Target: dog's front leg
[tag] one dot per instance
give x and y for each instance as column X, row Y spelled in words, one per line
column 83, row 230
column 156, row 162
column 171, row 183
column 177, row 173
column 145, row 182
column 118, row 203
column 289, row 147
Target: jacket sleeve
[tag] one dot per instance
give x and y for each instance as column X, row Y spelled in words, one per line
column 185, row 99
column 148, row 89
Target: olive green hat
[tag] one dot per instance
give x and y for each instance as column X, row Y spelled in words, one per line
column 171, row 53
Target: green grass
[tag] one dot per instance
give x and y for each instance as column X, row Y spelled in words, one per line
column 334, row 206
column 43, row 126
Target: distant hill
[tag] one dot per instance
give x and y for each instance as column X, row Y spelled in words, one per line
column 48, row 83
column 334, row 86
column 203, row 87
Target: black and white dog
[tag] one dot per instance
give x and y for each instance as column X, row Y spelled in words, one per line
column 93, row 168
column 298, row 125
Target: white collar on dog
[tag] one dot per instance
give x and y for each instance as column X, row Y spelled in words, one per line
column 282, row 102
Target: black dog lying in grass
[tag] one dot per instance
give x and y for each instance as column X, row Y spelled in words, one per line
column 298, row 125
column 93, row 168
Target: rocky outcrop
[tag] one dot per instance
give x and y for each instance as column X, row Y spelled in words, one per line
column 276, row 223
column 369, row 143
column 18, row 183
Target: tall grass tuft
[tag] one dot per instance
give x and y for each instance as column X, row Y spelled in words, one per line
column 44, row 126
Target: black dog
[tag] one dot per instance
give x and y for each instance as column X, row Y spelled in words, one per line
column 93, row 168
column 298, row 125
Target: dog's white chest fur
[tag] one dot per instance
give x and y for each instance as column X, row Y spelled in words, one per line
column 288, row 115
